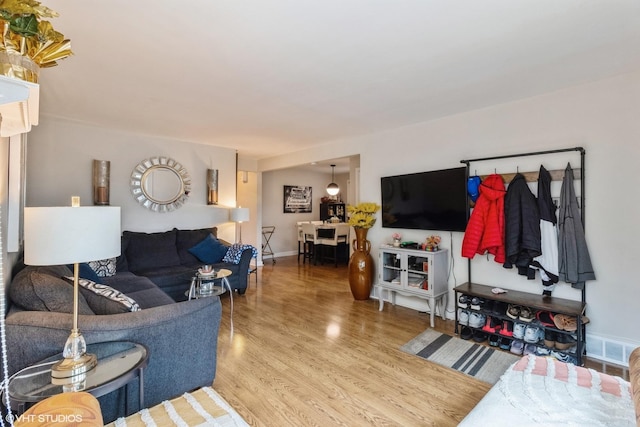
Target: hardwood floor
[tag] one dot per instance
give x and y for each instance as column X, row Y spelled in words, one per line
column 304, row 353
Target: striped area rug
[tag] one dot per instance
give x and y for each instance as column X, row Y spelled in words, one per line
column 480, row 361
column 203, row 407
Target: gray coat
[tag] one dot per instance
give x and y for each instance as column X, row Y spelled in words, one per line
column 573, row 255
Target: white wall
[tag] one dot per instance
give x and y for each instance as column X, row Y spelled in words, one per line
column 59, row 165
column 601, row 116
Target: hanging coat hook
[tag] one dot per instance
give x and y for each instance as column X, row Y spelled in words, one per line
column 517, row 169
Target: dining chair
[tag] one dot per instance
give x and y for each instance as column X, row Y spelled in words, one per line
column 300, row 238
column 310, row 236
column 331, row 240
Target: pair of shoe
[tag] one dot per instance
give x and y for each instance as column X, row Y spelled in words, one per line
column 522, row 313
column 568, row 323
column 492, row 325
column 559, row 340
column 533, row 334
column 546, row 318
column 494, row 340
column 529, row 349
column 477, row 320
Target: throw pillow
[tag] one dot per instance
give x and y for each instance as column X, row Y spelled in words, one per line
column 103, row 299
column 103, row 268
column 209, row 250
column 42, row 289
column 235, row 253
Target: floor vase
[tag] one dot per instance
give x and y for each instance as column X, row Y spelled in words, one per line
column 361, row 266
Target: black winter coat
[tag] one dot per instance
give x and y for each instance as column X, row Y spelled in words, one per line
column 522, row 227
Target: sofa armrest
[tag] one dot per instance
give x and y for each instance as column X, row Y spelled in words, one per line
column 181, row 339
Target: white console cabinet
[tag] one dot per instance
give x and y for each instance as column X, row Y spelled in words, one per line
column 413, row 272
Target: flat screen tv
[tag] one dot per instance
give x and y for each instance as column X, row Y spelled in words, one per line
column 434, row 200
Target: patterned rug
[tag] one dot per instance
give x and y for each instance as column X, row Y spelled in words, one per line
column 203, row 407
column 480, row 361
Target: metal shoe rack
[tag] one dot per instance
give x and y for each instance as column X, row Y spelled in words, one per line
column 552, row 304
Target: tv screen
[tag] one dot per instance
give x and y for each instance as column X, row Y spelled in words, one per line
column 434, row 200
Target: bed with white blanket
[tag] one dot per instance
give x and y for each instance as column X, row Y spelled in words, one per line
column 541, row 391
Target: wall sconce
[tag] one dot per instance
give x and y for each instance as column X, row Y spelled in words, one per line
column 101, row 172
column 212, row 186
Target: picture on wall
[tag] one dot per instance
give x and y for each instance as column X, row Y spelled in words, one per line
column 297, row 199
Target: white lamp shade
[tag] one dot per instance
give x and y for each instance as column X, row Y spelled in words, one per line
column 66, row 235
column 239, row 214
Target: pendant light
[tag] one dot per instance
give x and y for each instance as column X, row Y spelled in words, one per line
column 333, row 188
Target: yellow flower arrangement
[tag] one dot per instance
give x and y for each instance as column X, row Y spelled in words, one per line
column 363, row 215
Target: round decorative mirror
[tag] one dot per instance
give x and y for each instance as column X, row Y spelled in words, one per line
column 160, row 184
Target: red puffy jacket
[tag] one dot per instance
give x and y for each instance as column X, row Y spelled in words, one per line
column 485, row 230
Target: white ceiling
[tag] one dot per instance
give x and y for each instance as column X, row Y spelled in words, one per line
column 275, row 76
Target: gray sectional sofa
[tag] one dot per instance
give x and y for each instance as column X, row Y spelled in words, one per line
column 181, row 336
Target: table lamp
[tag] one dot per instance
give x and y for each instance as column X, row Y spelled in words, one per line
column 71, row 235
column 239, row 215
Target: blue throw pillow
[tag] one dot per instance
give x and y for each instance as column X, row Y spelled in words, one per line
column 209, row 251
column 86, row 272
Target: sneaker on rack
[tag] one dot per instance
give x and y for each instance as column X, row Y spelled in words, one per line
column 477, row 320
column 507, row 328
column 494, row 340
column 532, row 334
column 479, row 335
column 500, row 308
column 526, row 314
column 550, row 338
column 464, row 301
column 477, row 303
column 463, row 316
column 565, row 341
column 564, row 357
column 542, row 351
column 517, row 347
column 518, row 330
column 513, row 311
column 529, row 349
column 466, row 333
column 505, row 343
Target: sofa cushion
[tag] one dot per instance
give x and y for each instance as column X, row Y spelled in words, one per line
column 103, row 299
column 210, row 250
column 146, row 293
column 103, row 267
column 150, row 250
column 186, row 239
column 121, row 261
column 43, row 289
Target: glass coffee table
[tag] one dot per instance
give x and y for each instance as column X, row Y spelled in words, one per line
column 119, row 362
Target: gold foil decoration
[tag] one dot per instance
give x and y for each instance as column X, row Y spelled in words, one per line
column 23, row 53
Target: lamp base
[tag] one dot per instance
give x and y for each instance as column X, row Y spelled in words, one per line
column 71, row 370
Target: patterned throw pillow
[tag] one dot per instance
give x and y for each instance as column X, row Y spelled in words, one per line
column 235, row 253
column 104, row 267
column 103, row 299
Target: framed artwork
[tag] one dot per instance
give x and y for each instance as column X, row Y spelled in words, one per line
column 297, row 199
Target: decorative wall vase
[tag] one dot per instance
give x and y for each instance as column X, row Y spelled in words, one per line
column 212, row 186
column 101, row 173
column 361, row 266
